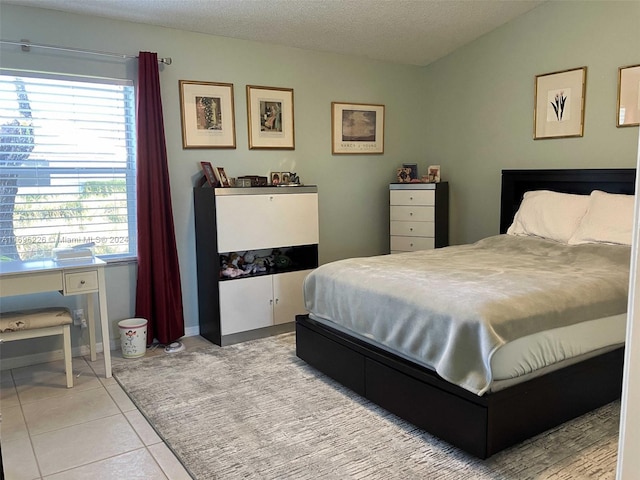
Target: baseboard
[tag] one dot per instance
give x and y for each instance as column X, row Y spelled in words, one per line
column 82, row 350
column 257, row 333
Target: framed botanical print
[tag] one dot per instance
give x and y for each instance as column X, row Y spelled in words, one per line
column 559, row 104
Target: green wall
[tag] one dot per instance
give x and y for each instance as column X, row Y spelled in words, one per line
column 471, row 112
column 478, row 103
column 353, row 192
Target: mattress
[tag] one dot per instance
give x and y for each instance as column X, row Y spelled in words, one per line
column 454, row 309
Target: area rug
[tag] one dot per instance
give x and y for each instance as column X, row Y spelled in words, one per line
column 255, row 411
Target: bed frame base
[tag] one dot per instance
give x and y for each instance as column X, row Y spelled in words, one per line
column 481, row 425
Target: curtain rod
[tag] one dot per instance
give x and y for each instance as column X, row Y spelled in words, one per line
column 26, row 47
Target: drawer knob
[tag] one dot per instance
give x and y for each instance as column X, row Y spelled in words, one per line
column 411, row 229
column 82, row 282
column 410, row 214
column 411, row 244
column 410, row 198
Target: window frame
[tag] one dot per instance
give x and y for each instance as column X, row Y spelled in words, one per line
column 128, row 171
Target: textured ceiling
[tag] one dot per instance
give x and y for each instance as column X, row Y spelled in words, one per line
column 415, row 32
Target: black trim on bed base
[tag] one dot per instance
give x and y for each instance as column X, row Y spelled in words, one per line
column 481, row 425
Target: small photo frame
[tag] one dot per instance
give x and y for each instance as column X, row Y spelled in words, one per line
column 270, row 116
column 209, row 173
column 414, row 169
column 207, row 111
column 357, row 128
column 275, row 178
column 559, row 104
column 221, row 176
column 628, row 111
column 285, row 178
column 403, row 175
column 433, row 173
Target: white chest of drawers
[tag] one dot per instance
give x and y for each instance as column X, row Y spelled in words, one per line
column 419, row 216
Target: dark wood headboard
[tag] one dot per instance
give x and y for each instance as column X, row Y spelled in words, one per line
column 581, row 181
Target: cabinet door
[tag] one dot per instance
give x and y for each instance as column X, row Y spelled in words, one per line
column 288, row 298
column 252, row 222
column 246, row 304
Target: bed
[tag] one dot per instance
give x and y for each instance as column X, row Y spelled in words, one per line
column 468, row 408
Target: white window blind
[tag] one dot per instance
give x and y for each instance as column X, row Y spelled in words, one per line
column 67, row 166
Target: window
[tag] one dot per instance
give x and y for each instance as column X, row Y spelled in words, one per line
column 67, row 166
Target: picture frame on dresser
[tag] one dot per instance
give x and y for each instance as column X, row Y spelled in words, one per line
column 357, row 128
column 559, row 104
column 270, row 117
column 209, row 174
column 207, row 114
column 433, row 174
column 413, row 170
column 221, row 176
column 628, row 108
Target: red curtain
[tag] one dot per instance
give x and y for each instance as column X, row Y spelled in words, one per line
column 158, row 291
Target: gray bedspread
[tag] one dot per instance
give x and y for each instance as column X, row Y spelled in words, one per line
column 451, row 308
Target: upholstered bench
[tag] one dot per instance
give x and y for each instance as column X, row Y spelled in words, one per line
column 42, row 322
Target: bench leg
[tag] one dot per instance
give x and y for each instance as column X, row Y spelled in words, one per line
column 66, row 334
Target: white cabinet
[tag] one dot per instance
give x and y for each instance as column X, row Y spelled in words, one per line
column 288, row 297
column 263, row 301
column 237, row 220
column 251, row 222
column 419, row 216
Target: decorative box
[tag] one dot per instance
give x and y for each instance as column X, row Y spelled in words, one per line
column 256, row 180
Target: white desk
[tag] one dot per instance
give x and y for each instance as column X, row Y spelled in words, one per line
column 68, row 278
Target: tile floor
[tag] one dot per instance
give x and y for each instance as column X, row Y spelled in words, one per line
column 92, row 430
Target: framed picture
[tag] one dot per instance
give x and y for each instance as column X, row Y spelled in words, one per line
column 628, row 112
column 403, row 175
column 208, row 118
column 209, row 173
column 276, row 178
column 285, row 178
column 357, row 128
column 559, row 104
column 433, row 174
column 221, row 176
column 270, row 116
column 413, row 167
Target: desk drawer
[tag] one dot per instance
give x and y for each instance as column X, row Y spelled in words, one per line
column 81, row 282
column 415, row 214
column 411, row 244
column 30, row 283
column 412, row 197
column 413, row 229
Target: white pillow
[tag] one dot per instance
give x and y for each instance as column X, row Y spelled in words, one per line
column 609, row 219
column 550, row 215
